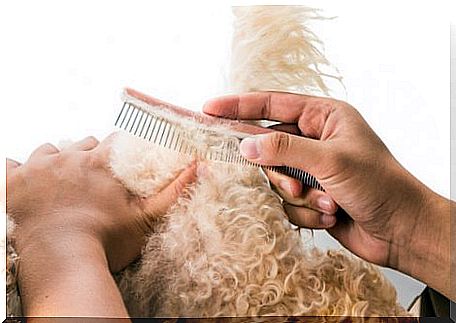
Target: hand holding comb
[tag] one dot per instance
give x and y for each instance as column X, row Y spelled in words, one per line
column 169, row 126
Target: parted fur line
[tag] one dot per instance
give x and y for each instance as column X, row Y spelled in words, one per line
column 227, row 249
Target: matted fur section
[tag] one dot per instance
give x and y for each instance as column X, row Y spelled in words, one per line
column 275, row 49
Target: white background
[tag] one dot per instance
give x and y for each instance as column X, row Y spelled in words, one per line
column 64, row 64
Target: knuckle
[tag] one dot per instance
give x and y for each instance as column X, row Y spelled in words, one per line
column 64, row 156
column 325, row 104
column 346, row 107
column 279, row 143
column 178, row 187
column 266, row 107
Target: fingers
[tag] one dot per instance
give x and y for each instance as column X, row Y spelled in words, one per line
column 285, row 107
column 289, row 188
column 46, row 149
column 308, row 218
column 279, row 148
column 160, row 203
column 293, row 192
column 102, row 151
column 309, row 112
column 11, row 164
column 305, row 207
column 315, row 117
column 85, row 144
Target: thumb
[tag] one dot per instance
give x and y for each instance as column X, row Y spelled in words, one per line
column 283, row 149
column 159, row 203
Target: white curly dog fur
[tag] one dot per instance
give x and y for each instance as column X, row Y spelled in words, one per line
column 227, row 249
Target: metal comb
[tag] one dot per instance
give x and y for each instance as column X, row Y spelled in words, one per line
column 166, row 133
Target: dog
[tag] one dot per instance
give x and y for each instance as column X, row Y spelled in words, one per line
column 226, row 249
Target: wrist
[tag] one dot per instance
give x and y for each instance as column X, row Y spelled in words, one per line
column 425, row 252
column 58, row 233
column 56, row 275
column 54, row 255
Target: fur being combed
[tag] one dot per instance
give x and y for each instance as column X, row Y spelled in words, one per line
column 227, row 249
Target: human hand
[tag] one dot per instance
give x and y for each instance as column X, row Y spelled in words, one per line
column 382, row 202
column 68, row 200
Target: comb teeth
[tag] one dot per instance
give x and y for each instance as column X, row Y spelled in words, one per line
column 161, row 131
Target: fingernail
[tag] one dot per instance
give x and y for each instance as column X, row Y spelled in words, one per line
column 286, row 186
column 327, row 220
column 325, row 203
column 249, row 148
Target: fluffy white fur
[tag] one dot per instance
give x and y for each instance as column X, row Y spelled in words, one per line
column 227, row 249
column 274, row 48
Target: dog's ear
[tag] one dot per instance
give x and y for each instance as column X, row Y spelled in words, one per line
column 273, row 48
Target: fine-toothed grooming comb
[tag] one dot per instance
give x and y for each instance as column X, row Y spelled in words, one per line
column 168, row 125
